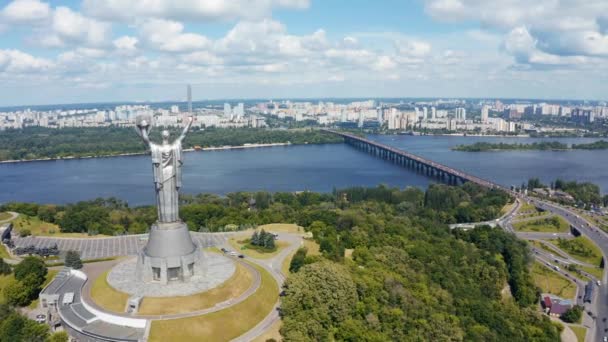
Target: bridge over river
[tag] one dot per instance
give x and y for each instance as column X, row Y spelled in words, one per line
column 433, row 169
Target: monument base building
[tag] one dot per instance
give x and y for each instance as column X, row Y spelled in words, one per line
column 170, row 255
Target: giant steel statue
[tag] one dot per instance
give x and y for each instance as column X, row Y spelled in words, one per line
column 167, row 169
column 170, row 254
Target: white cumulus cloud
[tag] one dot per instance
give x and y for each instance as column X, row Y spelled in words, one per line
column 26, row 11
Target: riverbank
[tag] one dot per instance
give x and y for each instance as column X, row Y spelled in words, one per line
column 219, row 148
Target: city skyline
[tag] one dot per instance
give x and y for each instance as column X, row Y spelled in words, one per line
column 102, row 51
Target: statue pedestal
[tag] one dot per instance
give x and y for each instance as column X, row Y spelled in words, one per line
column 170, row 255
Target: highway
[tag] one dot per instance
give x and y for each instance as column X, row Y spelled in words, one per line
column 599, row 307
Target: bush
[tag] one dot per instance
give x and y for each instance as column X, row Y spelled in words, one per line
column 298, row 260
column 4, row 267
column 573, row 315
column 72, row 259
column 31, row 266
column 24, row 233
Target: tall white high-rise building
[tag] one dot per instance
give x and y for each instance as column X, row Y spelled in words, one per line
column 189, row 91
column 174, row 109
column 227, row 110
column 433, row 113
column 239, row 110
column 485, row 110
column 380, row 115
column 461, row 113
column 425, row 113
column 361, row 120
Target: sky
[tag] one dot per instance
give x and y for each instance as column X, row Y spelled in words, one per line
column 79, row 51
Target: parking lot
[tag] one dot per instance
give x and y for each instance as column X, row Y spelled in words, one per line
column 93, row 248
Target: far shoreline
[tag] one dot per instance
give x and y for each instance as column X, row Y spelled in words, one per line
column 214, row 148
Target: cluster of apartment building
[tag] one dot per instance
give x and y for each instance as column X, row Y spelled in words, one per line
column 576, row 113
column 125, row 115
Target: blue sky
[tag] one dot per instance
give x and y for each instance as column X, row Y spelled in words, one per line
column 131, row 50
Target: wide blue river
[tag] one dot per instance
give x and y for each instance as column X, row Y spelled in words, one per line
column 292, row 168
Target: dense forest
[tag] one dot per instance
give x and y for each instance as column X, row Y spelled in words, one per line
column 407, row 277
column 206, row 212
column 39, row 142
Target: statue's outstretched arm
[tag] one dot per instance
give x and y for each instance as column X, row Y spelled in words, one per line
column 144, row 135
column 186, row 129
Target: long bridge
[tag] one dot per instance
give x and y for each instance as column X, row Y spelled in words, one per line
column 428, row 167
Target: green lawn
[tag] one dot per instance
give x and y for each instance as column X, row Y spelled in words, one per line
column 106, row 296
column 580, row 332
column 238, row 244
column 223, row 325
column 4, row 253
column 4, row 216
column 552, row 282
column 594, row 271
column 553, row 224
column 580, row 248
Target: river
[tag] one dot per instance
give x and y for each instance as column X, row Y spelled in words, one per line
column 293, row 168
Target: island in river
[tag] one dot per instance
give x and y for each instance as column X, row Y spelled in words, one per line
column 536, row 146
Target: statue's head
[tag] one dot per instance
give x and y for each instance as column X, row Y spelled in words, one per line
column 165, row 134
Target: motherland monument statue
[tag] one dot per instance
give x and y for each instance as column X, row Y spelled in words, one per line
column 170, row 254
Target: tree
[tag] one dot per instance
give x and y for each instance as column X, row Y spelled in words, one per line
column 31, row 265
column 34, row 331
column 4, row 267
column 298, row 260
column 320, row 296
column 269, row 241
column 72, row 259
column 573, row 315
column 17, row 294
column 255, row 238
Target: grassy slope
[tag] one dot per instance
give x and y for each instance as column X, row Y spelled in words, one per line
column 594, row 255
column 223, row 325
column 106, row 296
column 551, row 282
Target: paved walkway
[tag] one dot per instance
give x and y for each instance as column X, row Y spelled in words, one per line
column 104, row 247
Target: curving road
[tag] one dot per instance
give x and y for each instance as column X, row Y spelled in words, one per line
column 273, row 265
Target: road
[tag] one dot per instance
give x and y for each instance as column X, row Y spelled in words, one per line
column 599, row 307
column 272, row 265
